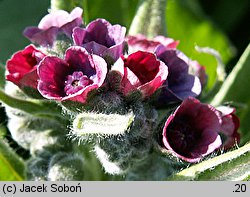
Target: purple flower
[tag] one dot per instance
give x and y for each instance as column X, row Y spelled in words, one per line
column 140, row 42
column 140, row 71
column 101, row 38
column 192, row 131
column 229, row 127
column 72, row 78
column 196, row 69
column 22, row 67
column 179, row 84
column 53, row 24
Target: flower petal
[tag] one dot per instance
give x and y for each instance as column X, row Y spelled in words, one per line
column 191, row 132
column 101, row 38
column 140, row 42
column 56, row 75
column 59, row 18
column 78, row 35
column 78, row 58
column 22, row 67
column 53, row 23
column 229, row 127
column 41, row 37
column 52, row 72
column 144, row 72
column 180, row 84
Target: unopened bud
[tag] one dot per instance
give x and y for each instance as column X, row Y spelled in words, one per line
column 101, row 124
column 37, row 169
column 66, row 167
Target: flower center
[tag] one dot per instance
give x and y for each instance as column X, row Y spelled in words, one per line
column 76, row 82
column 183, row 138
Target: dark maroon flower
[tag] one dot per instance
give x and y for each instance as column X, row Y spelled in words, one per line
column 192, row 131
column 140, row 71
column 140, row 42
column 101, row 38
column 22, row 67
column 229, row 127
column 179, row 84
column 53, row 24
column 72, row 78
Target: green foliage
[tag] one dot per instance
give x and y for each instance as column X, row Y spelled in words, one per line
column 12, row 167
column 149, row 19
column 37, row 108
column 186, row 22
column 234, row 165
column 235, row 91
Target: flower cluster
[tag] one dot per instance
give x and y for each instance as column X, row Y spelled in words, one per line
column 101, row 59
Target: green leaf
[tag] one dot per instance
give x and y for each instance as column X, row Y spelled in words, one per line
column 233, row 165
column 12, row 168
column 235, row 90
column 237, row 81
column 187, row 22
column 149, row 19
column 38, row 108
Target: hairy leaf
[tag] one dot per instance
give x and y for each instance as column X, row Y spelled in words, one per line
column 233, row 165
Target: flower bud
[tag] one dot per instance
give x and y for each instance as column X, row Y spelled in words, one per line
column 37, row 169
column 101, row 124
column 154, row 168
column 66, row 167
column 120, row 153
column 26, row 129
column 108, row 102
column 50, row 140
